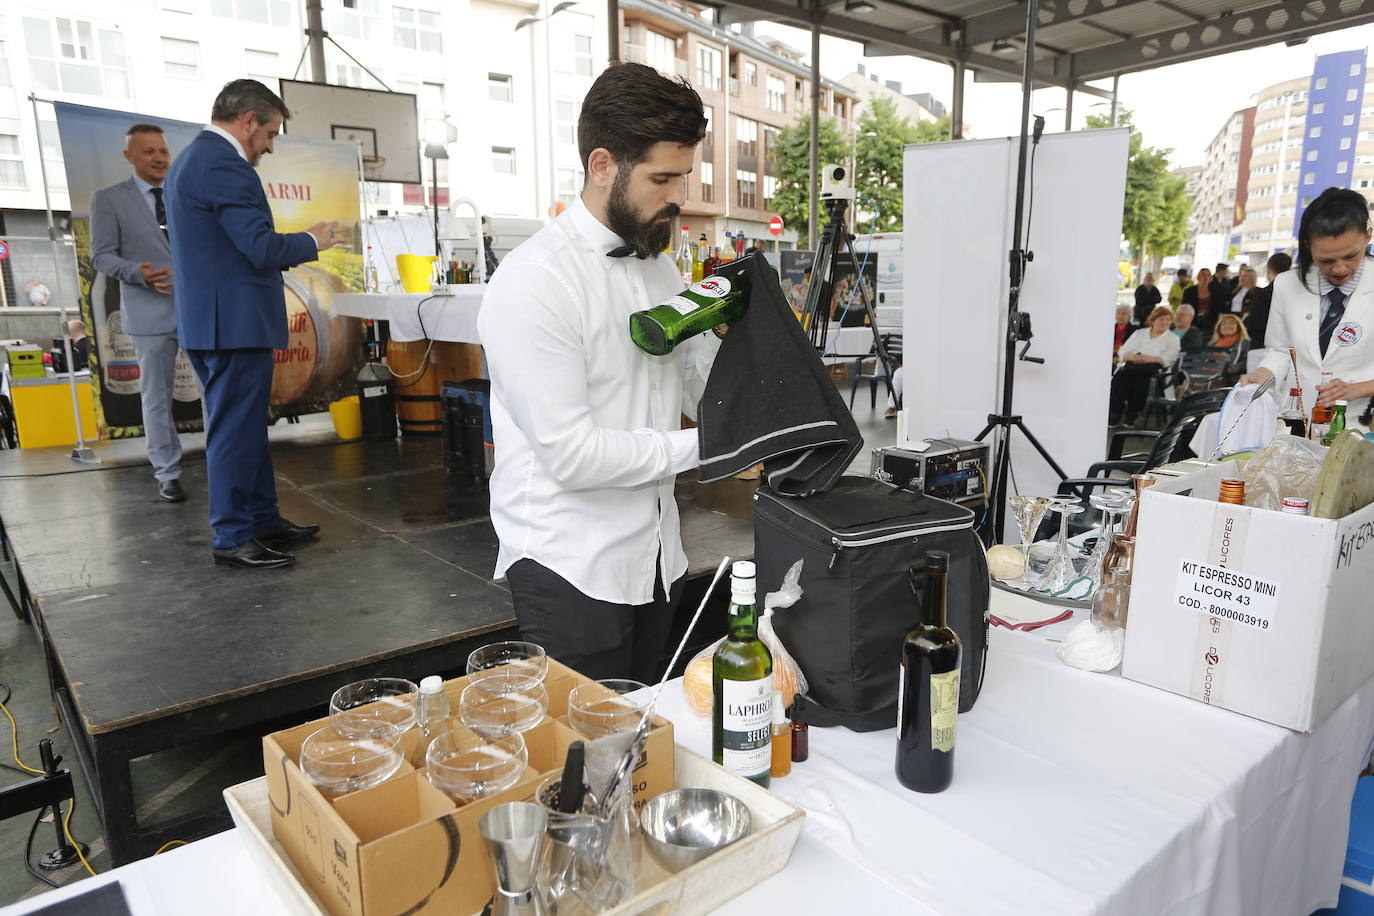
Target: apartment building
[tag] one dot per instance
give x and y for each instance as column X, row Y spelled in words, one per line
column 1192, row 178
column 1218, row 208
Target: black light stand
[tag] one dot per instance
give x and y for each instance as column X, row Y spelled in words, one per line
column 1018, row 322
column 40, row 793
column 816, row 307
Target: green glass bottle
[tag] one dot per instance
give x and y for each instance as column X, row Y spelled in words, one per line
column 742, row 687
column 700, row 307
column 1337, row 424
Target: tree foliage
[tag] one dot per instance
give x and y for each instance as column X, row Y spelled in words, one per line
column 793, row 165
column 1154, row 219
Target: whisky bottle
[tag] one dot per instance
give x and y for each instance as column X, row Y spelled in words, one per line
column 715, row 300
column 742, row 687
column 928, row 691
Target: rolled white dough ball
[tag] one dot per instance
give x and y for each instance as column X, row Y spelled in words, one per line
column 1005, row 562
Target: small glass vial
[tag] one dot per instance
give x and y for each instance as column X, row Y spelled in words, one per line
column 1294, row 505
column 434, row 709
column 782, row 739
column 801, row 734
column 1232, row 491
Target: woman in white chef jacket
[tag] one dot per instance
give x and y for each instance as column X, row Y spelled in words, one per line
column 1325, row 309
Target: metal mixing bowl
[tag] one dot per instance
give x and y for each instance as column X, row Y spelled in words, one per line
column 683, row 826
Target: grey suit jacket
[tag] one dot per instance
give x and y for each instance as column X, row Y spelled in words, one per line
column 124, row 234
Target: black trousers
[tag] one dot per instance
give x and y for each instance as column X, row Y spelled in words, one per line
column 1130, row 386
column 600, row 639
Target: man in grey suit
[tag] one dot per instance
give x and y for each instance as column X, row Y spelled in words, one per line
column 129, row 243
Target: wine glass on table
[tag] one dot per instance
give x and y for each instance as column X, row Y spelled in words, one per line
column 1028, row 511
column 1060, row 572
column 1111, row 505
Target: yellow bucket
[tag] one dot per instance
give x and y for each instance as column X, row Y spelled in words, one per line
column 347, row 417
column 416, row 271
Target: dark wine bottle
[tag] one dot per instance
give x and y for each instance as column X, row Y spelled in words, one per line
column 928, row 698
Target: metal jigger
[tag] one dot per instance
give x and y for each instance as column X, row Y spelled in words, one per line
column 515, row 836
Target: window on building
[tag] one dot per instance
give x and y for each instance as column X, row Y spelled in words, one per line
column 777, row 93
column 566, row 118
column 660, row 52
column 71, row 55
column 1342, row 168
column 270, row 12
column 747, row 136
column 1321, row 82
column 417, row 30
column 180, row 58
column 569, row 184
column 1311, row 155
column 751, row 73
column 178, row 6
column 1309, row 178
column 1345, row 143
column 1354, row 69
column 708, row 182
column 582, row 55
column 262, row 66
column 710, row 124
column 354, row 18
column 708, row 68
column 11, row 155
column 1315, row 132
column 1318, row 107
column 770, row 190
column 50, row 143
column 348, row 75
column 503, row 160
column 500, row 87
column 1348, row 120
column 746, row 184
column 1352, row 94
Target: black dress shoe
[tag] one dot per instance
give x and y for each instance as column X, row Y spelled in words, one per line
column 252, row 555
column 171, row 491
column 284, row 534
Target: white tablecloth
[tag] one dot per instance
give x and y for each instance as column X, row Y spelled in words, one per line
column 1073, row 793
column 418, row 316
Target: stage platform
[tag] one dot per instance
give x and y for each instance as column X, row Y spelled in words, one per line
column 151, row 647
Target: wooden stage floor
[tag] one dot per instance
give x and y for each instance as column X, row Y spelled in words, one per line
column 151, row 647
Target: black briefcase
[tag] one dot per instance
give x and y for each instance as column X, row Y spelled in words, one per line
column 859, row 539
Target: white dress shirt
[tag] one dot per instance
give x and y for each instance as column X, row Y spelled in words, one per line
column 146, row 191
column 1165, row 346
column 587, row 426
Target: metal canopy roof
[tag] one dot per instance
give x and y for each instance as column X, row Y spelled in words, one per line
column 1076, row 40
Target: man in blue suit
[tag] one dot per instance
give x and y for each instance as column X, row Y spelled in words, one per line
column 231, row 314
column 129, row 244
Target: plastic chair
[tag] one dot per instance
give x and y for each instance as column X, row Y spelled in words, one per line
column 893, row 344
column 1200, row 367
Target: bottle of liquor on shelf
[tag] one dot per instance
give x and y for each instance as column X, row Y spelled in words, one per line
column 700, row 307
column 1292, row 415
column 699, row 255
column 1321, row 416
column 742, row 687
column 370, row 274
column 712, row 261
column 928, row 690
column 684, row 256
column 1337, row 423
column 727, row 251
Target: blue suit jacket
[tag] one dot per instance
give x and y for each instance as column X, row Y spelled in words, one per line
column 226, row 257
column 124, row 234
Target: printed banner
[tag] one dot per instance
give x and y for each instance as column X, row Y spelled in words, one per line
column 307, row 181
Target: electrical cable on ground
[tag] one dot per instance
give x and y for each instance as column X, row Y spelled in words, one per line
column 168, row 845
column 28, row 851
column 67, row 829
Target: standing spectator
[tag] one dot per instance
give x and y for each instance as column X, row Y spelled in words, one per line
column 1199, row 296
column 1147, row 296
column 129, row 244
column 1143, row 356
column 38, row 293
column 1258, row 319
column 1223, row 276
column 227, row 252
column 1122, row 330
column 1243, row 296
column 1176, row 291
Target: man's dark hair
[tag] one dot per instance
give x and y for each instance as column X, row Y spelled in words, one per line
column 1221, row 267
column 1335, row 212
column 1279, row 263
column 239, row 96
column 631, row 107
column 142, row 127
column 1183, row 271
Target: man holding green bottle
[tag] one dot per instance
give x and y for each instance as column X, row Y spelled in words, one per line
column 587, row 425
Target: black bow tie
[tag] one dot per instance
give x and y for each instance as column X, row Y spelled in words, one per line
column 624, row 251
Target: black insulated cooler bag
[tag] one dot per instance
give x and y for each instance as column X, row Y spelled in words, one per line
column 858, row 539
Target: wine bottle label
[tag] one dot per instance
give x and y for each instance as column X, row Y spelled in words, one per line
column 747, row 725
column 710, row 288
column 682, row 305
column 944, row 709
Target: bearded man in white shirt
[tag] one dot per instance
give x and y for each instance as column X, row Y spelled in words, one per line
column 587, row 427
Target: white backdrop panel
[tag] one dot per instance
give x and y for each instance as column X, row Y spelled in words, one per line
column 957, row 232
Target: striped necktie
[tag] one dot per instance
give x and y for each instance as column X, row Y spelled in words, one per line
column 1335, row 309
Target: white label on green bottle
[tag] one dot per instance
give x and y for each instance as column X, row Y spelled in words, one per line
column 712, row 288
column 682, row 304
column 747, row 722
column 944, row 708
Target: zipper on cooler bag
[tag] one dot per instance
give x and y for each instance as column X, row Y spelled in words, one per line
column 840, row 544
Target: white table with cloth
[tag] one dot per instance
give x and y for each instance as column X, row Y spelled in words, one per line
column 419, row 316
column 1073, row 793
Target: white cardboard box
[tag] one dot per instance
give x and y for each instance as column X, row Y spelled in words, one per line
column 1266, row 614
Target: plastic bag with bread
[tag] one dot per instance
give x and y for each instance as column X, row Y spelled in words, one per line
column 787, row 676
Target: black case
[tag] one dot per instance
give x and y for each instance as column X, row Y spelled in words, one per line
column 858, row 540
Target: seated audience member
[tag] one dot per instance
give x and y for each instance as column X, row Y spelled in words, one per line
column 1188, row 336
column 1230, row 333
column 1144, row 355
column 81, row 344
column 1122, row 330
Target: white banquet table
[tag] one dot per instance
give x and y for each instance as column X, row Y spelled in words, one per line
column 419, row 316
column 1073, row 793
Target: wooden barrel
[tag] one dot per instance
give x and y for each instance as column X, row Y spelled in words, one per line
column 419, row 379
column 321, row 346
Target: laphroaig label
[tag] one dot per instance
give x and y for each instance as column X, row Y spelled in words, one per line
column 944, row 709
column 746, row 745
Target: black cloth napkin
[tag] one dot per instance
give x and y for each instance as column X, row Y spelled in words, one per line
column 770, row 399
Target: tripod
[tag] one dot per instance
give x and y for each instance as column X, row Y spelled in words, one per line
column 1018, row 322
column 816, row 308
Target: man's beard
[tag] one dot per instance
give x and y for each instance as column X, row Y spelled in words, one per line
column 647, row 238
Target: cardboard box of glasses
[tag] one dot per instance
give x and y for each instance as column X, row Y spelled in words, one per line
column 404, row 845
